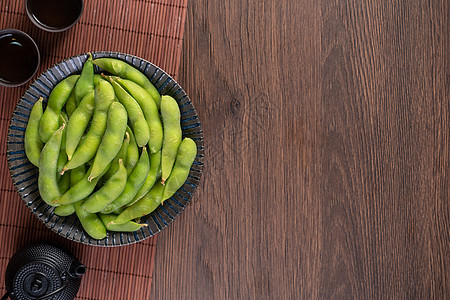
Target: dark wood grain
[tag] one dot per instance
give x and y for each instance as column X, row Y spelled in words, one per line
column 327, row 153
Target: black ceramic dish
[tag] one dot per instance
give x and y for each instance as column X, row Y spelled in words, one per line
column 25, row 175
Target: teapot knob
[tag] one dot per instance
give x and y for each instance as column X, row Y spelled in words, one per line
column 36, row 284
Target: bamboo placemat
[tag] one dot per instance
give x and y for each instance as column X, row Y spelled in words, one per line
column 149, row 29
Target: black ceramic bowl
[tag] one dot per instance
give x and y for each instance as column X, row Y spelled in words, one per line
column 25, row 175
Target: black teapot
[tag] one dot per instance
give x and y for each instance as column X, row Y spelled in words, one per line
column 43, row 271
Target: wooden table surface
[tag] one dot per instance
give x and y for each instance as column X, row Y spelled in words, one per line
column 327, row 152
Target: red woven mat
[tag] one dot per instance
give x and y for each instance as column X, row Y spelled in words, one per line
column 149, row 29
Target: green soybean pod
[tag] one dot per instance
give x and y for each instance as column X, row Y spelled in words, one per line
column 135, row 114
column 97, row 79
column 155, row 164
column 78, row 123
column 75, row 175
column 48, row 162
column 49, row 122
column 91, row 222
column 126, row 227
column 119, row 210
column 124, row 70
column 121, row 155
column 64, row 116
column 112, row 139
column 132, row 152
column 134, row 182
column 64, row 210
column 143, row 207
column 81, row 190
column 185, row 157
column 104, row 96
column 64, row 183
column 33, row 143
column 63, row 180
column 170, row 113
column 85, row 83
column 71, row 104
column 150, row 111
column 112, row 189
column 62, row 157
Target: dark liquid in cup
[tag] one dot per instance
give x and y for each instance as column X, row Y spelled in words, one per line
column 55, row 14
column 18, row 58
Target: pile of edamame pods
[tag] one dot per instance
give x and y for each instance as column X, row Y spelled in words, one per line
column 109, row 148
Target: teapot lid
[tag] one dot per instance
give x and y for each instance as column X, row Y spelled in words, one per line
column 35, row 280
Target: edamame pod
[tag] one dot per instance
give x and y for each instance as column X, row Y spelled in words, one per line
column 78, row 123
column 135, row 114
column 75, row 175
column 185, row 157
column 121, row 155
column 155, row 164
column 62, row 157
column 48, row 161
column 85, row 83
column 97, row 79
column 90, row 222
column 64, row 183
column 63, row 118
column 81, row 190
column 112, row 139
column 33, row 143
column 65, row 210
column 132, row 152
column 124, row 70
column 112, row 189
column 150, row 111
column 71, row 104
column 143, row 207
column 49, row 122
column 119, row 210
column 104, row 96
column 170, row 113
column 134, row 182
column 126, row 227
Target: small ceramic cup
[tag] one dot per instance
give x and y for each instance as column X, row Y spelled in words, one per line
column 54, row 15
column 19, row 57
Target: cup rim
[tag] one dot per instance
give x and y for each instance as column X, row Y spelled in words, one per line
column 44, row 27
column 17, row 31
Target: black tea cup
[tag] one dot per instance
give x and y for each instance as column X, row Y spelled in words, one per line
column 19, row 57
column 54, row 15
